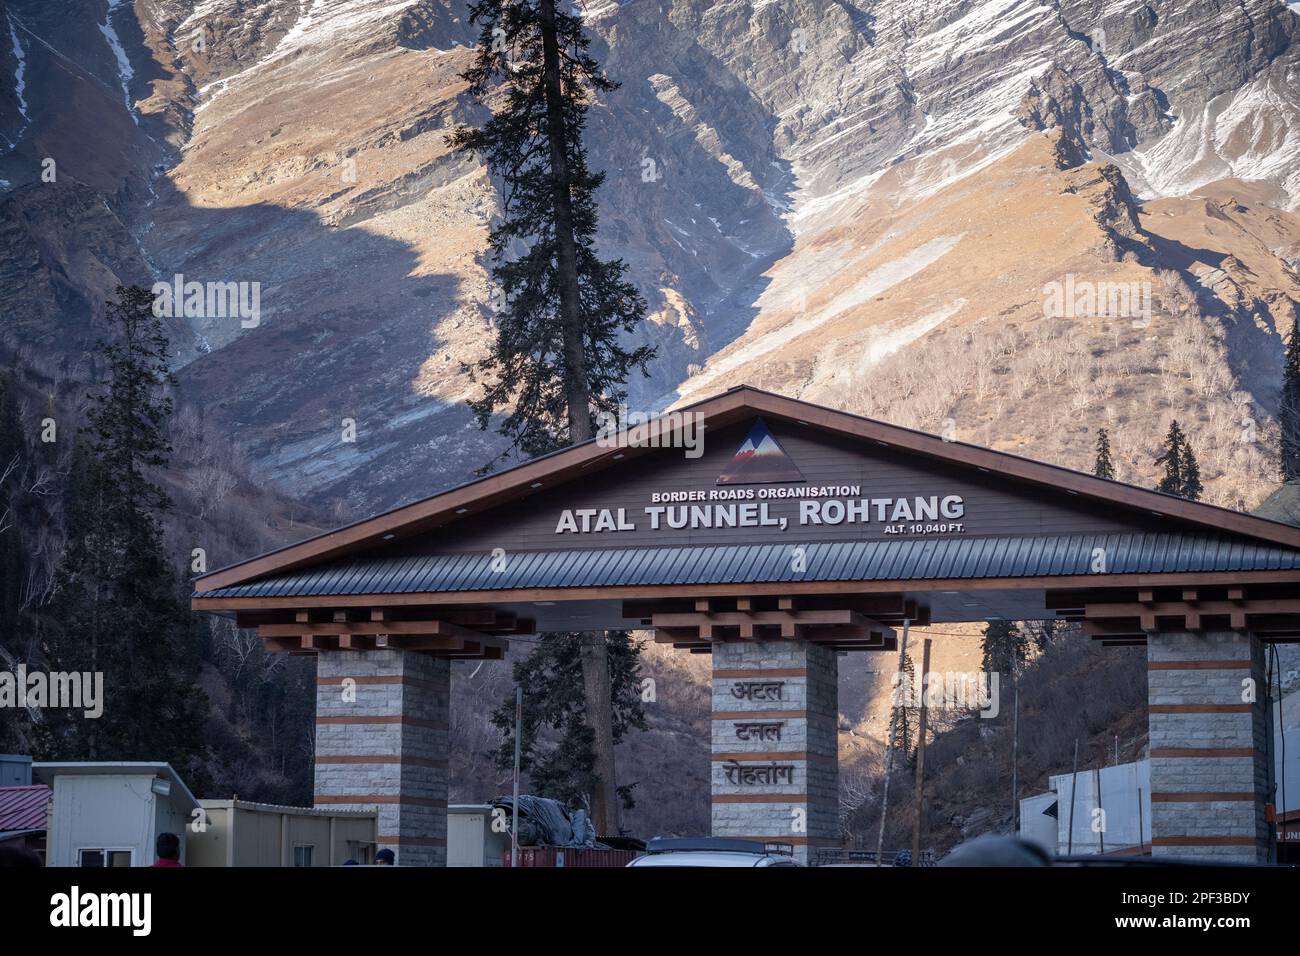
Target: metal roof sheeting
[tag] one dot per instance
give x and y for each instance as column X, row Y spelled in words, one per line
column 913, row 559
column 23, row 808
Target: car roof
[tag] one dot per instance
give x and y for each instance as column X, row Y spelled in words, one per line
column 708, row 858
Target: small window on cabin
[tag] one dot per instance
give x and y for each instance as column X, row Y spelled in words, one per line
column 99, row 857
column 302, row 853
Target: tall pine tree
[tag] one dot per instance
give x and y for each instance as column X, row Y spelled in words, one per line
column 556, row 740
column 905, row 717
column 1104, row 467
column 1182, row 474
column 563, row 313
column 116, row 606
column 1005, row 646
column 1191, row 474
column 1288, row 416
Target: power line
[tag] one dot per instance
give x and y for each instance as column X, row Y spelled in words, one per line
column 41, row 40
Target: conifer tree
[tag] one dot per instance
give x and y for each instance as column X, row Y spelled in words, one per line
column 116, row 607
column 1182, row 474
column 905, row 718
column 562, row 313
column 1288, row 416
column 1171, row 483
column 1042, row 633
column 1191, row 474
column 1005, row 646
column 556, row 739
column 1104, row 467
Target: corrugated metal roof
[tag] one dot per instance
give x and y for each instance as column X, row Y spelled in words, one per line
column 894, row 560
column 23, row 808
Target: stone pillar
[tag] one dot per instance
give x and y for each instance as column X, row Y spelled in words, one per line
column 1209, row 770
column 775, row 744
column 381, row 743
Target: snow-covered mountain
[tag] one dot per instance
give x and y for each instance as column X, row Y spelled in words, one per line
column 857, row 202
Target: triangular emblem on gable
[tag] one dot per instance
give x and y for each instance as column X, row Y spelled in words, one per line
column 759, row 459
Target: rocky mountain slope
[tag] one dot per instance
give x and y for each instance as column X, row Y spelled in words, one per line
column 867, row 204
column 848, row 182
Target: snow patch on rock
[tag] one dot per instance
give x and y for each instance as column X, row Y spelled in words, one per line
column 124, row 71
column 20, row 70
column 872, row 284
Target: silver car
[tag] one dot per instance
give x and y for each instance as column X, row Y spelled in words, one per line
column 711, row 851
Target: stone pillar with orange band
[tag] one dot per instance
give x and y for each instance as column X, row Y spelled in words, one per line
column 1209, row 770
column 775, row 743
column 381, row 743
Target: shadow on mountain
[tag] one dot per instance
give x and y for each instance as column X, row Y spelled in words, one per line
column 695, row 190
column 1251, row 346
column 347, row 329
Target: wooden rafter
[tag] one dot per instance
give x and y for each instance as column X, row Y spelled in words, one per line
column 843, row 628
column 317, row 630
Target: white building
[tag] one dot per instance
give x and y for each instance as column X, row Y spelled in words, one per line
column 109, row 813
column 239, row 833
column 1111, row 811
column 471, row 839
column 1126, row 800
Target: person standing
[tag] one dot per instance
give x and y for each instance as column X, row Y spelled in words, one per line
column 168, row 846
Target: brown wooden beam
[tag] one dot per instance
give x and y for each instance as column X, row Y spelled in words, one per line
column 1204, row 608
column 356, row 642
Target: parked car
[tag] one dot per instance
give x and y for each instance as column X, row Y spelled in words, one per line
column 713, row 851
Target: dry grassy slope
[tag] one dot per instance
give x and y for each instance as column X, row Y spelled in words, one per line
column 931, row 311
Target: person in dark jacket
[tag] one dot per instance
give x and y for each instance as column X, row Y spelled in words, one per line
column 168, row 846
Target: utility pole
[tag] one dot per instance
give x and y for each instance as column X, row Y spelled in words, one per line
column 514, row 803
column 1015, row 749
column 1074, row 779
column 920, row 756
column 1100, row 818
column 889, row 746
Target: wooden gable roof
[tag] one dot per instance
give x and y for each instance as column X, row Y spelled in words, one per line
column 729, row 408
